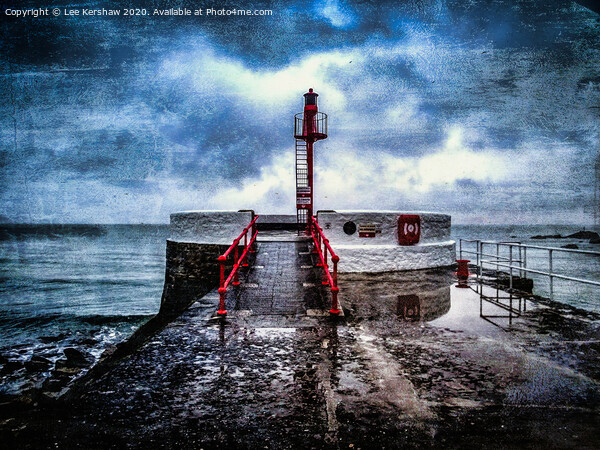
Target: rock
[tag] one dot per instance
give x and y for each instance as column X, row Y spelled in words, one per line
column 41, row 359
column 37, row 363
column 547, row 236
column 54, row 384
column 12, row 366
column 570, row 246
column 63, row 369
column 3, row 359
column 50, row 339
column 595, row 241
column 75, row 358
column 585, row 235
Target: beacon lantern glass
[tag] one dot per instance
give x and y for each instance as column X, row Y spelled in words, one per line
column 310, row 98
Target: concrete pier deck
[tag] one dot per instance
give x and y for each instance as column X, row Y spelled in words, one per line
column 412, row 364
column 282, row 281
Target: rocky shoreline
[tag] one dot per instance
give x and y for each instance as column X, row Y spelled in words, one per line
column 591, row 236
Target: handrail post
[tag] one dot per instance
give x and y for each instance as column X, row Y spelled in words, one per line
column 245, row 261
column 253, row 246
column 222, row 311
column 325, row 281
column 334, row 289
column 550, row 274
column 497, row 258
column 317, row 242
column 479, row 263
column 510, row 250
column 236, row 263
column 315, row 231
column 460, row 248
column 477, row 256
column 520, row 261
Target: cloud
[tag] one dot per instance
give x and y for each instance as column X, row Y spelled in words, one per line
column 336, row 13
column 429, row 107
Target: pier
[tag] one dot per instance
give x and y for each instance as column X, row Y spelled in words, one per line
column 410, row 364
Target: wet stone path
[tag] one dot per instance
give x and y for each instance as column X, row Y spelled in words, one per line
column 282, row 281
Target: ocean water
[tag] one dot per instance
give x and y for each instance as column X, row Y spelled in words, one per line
column 90, row 286
column 82, row 286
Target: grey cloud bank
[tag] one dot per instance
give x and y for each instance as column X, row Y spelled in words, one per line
column 489, row 113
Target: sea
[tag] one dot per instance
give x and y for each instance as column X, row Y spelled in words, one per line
column 91, row 286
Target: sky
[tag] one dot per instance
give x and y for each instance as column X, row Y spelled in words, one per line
column 488, row 111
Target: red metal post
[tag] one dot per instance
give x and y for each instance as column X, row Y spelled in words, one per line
column 236, row 262
column 315, row 229
column 325, row 281
column 335, row 260
column 222, row 311
column 253, row 246
column 334, row 289
column 245, row 262
column 334, row 301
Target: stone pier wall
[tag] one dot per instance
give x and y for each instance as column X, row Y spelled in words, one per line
column 192, row 270
column 197, row 239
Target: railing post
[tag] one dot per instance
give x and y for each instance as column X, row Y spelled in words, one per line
column 315, row 230
column 236, row 263
column 253, row 246
column 325, row 281
column 479, row 263
column 222, row 311
column 318, row 243
column 334, row 289
column 460, row 248
column 476, row 256
column 520, row 261
column 550, row 273
column 525, row 262
column 497, row 258
column 510, row 251
column 245, row 261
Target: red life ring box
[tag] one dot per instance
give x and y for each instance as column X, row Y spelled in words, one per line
column 409, row 229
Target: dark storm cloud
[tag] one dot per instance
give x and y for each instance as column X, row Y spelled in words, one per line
column 187, row 113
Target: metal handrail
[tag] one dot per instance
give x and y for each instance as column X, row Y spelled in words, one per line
column 538, row 247
column 328, row 279
column 500, row 261
column 539, row 272
column 249, row 247
column 319, row 124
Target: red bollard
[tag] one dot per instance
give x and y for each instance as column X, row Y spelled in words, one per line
column 462, row 272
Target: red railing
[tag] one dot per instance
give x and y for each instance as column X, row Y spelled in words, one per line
column 249, row 246
column 319, row 240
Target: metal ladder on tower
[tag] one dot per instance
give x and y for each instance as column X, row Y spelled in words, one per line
column 302, row 186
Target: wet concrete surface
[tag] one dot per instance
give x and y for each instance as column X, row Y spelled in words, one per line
column 412, row 364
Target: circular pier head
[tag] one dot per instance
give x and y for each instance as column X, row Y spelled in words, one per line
column 387, row 241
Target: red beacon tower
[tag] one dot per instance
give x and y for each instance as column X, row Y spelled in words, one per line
column 310, row 126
